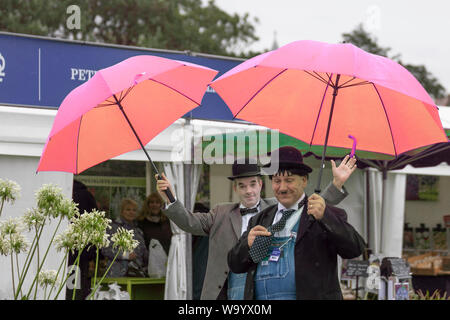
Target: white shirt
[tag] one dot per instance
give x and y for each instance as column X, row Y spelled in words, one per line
column 246, row 218
column 286, row 232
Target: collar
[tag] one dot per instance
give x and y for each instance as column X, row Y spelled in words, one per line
column 241, row 206
column 294, row 206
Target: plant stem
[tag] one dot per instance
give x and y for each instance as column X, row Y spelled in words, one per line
column 18, row 270
column 76, row 275
column 1, row 207
column 28, row 263
column 12, row 268
column 63, row 283
column 96, row 268
column 38, row 270
column 56, row 277
column 104, row 275
column 43, row 260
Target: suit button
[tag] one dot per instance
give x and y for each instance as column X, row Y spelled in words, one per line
column 220, row 287
column 316, row 264
column 226, row 272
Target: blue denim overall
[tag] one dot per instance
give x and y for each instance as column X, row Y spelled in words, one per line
column 236, row 285
column 275, row 280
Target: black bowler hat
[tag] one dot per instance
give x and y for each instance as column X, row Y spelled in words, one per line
column 243, row 169
column 288, row 158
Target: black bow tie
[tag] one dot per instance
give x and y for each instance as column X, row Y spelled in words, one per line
column 245, row 211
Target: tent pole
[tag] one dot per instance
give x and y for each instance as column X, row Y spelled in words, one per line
column 383, row 196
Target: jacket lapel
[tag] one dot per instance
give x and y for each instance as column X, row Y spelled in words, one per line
column 305, row 222
column 263, row 204
column 236, row 221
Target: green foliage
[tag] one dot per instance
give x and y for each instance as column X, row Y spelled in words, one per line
column 362, row 39
column 426, row 296
column 167, row 24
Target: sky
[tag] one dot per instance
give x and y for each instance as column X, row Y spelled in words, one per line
column 418, row 30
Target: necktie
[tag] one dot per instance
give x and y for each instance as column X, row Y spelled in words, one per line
column 245, row 211
column 261, row 245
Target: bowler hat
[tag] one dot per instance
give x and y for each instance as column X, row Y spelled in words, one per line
column 288, row 158
column 242, row 169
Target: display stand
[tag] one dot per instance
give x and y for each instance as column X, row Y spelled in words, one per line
column 394, row 280
column 139, row 288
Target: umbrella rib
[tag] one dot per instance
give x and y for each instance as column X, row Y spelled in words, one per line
column 387, row 118
column 260, row 89
column 197, row 103
column 78, row 140
column 318, row 116
column 356, row 84
column 318, row 77
column 330, row 76
column 348, row 81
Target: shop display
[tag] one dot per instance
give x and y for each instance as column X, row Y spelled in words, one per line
column 408, row 237
column 426, row 264
column 439, row 238
column 422, row 238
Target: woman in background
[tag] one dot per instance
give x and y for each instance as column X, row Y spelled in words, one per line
column 154, row 223
column 127, row 220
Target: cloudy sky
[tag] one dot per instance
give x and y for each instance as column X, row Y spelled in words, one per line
column 418, row 30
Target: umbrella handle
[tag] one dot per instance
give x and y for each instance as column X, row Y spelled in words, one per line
column 354, row 145
column 168, row 192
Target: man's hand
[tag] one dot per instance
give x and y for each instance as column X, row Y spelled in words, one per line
column 316, row 206
column 162, row 185
column 343, row 172
column 256, row 231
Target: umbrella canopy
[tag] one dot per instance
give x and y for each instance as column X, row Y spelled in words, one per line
column 323, row 93
column 120, row 109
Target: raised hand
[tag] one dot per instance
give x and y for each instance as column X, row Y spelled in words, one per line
column 343, row 171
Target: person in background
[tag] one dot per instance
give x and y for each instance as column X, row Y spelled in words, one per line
column 154, row 223
column 139, row 257
column 86, row 202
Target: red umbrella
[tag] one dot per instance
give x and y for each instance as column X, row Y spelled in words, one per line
column 323, row 93
column 120, row 109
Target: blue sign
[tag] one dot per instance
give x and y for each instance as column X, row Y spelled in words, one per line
column 40, row 72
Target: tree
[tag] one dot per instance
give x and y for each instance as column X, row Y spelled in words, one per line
column 362, row 39
column 167, row 24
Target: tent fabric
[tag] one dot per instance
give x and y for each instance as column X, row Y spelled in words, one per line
column 176, row 277
column 178, row 284
column 393, row 215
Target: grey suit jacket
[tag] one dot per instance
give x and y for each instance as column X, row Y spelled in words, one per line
column 223, row 225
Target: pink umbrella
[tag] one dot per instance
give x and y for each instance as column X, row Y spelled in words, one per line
column 120, row 109
column 322, row 94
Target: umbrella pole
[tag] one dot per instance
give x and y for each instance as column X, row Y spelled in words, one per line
column 168, row 192
column 322, row 165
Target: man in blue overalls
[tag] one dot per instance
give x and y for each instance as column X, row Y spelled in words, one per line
column 285, row 252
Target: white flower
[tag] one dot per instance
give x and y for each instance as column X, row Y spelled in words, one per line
column 33, row 218
column 11, row 226
column 49, row 199
column 85, row 230
column 68, row 208
column 47, row 277
column 5, row 247
column 9, row 190
column 65, row 241
column 123, row 240
column 18, row 243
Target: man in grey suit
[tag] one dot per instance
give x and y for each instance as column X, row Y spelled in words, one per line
column 225, row 223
